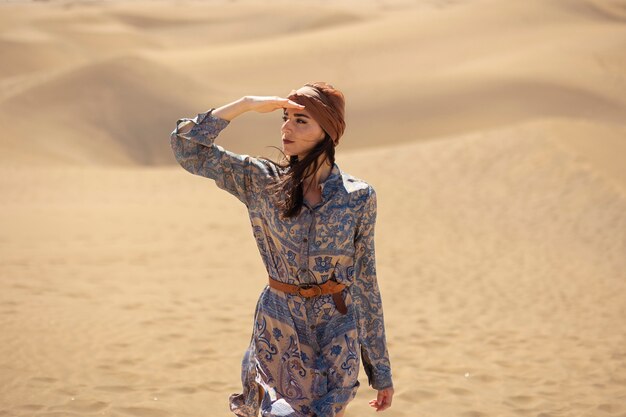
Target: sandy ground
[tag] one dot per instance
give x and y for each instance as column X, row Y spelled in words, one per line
column 493, row 131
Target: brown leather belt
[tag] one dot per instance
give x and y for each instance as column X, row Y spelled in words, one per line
column 314, row 290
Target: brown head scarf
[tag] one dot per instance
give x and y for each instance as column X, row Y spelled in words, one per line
column 325, row 104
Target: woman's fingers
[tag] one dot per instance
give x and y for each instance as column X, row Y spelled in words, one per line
column 285, row 103
column 383, row 400
column 292, row 105
column 265, row 104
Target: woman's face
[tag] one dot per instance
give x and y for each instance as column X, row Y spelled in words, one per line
column 300, row 132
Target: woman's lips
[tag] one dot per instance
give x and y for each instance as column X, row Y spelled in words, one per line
column 287, row 141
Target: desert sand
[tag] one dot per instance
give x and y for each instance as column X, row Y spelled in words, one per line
column 493, row 131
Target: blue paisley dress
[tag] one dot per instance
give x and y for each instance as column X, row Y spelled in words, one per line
column 304, row 355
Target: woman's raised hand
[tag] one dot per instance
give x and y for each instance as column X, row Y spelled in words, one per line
column 266, row 104
column 260, row 104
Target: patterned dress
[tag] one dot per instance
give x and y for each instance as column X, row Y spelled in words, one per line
column 304, row 355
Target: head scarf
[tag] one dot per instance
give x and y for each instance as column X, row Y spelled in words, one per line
column 326, row 106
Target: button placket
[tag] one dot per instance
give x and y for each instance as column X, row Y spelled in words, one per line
column 305, row 242
column 311, row 236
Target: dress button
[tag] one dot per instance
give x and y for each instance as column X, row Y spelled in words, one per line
column 312, row 327
column 325, row 373
column 305, row 240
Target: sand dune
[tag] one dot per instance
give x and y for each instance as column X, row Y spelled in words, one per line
column 492, row 131
column 403, row 67
column 110, row 104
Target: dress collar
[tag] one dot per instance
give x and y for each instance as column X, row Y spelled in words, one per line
column 332, row 182
column 329, row 186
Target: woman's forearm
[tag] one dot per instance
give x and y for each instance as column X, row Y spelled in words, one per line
column 231, row 110
column 226, row 112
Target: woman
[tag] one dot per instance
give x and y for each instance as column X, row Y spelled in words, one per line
column 321, row 314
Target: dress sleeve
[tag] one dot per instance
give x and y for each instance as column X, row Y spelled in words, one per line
column 240, row 175
column 367, row 300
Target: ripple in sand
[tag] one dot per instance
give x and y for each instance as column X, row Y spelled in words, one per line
column 521, row 399
column 434, row 343
column 30, row 407
column 460, row 391
column 473, row 413
column 177, row 365
column 43, row 379
column 418, row 395
column 184, row 390
column 132, row 306
column 213, row 386
column 618, row 381
column 80, row 405
column 130, row 361
column 77, row 295
column 484, row 378
column 170, row 336
column 204, row 351
column 114, row 388
column 120, row 345
column 610, row 408
column 143, row 411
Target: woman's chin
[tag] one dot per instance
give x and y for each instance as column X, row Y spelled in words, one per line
column 287, row 149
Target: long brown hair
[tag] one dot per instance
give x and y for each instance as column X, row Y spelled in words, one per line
column 289, row 188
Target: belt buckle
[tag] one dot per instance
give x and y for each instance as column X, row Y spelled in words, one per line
column 308, row 287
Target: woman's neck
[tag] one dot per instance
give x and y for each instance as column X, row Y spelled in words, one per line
column 323, row 171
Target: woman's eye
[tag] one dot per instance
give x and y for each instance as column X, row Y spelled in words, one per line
column 300, row 121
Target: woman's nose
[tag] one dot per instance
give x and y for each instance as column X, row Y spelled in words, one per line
column 286, row 126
